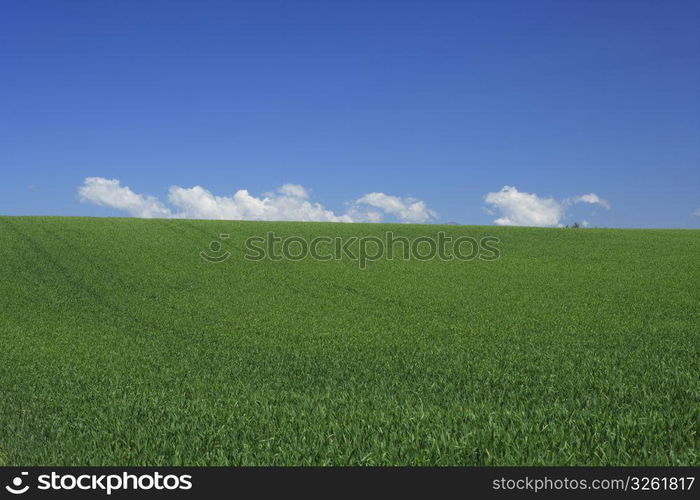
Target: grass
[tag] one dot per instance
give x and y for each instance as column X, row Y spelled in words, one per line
column 120, row 346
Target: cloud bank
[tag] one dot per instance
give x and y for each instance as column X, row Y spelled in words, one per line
column 290, row 202
column 371, row 206
column 109, row 193
column 517, row 208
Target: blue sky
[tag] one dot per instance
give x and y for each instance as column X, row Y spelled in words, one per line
column 476, row 112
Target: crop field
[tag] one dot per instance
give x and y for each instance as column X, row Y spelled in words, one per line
column 120, row 345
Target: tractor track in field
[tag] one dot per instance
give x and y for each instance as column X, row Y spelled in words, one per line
column 84, row 290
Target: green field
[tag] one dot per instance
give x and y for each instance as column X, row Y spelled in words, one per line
column 119, row 345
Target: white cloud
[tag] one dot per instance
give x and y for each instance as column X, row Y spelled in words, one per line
column 524, row 209
column 294, row 190
column 697, row 212
column 109, row 192
column 527, row 209
column 289, row 202
column 404, row 209
column 590, row 198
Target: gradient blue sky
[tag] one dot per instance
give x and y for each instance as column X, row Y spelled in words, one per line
column 440, row 101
